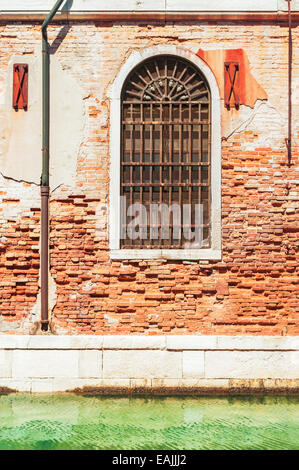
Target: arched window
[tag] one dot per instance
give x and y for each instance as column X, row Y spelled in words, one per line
column 165, row 163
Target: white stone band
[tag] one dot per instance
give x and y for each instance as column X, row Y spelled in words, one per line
column 161, row 363
column 147, row 5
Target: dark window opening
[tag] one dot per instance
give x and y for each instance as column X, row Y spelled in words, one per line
column 165, row 160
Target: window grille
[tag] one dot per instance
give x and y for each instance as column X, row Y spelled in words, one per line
column 165, row 157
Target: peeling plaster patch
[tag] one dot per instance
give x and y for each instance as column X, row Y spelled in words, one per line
column 193, row 47
column 35, row 310
column 11, row 326
column 235, row 121
column 110, row 320
column 88, row 286
column 250, row 89
column 295, row 93
column 67, row 113
column 17, row 180
column 57, row 188
column 27, row 325
column 52, row 295
column 21, row 131
column 260, row 119
column 21, row 196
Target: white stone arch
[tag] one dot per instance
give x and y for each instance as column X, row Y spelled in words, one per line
column 135, row 58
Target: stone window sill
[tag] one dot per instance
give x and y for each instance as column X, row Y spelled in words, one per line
column 180, row 254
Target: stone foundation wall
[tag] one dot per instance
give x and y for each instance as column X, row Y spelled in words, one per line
column 162, row 364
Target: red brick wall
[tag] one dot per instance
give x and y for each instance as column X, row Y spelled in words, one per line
column 253, row 290
column 19, row 257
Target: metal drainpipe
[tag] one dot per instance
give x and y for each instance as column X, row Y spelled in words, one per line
column 289, row 139
column 45, row 189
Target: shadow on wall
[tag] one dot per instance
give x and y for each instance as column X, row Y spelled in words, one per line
column 59, row 39
column 64, row 30
column 67, row 6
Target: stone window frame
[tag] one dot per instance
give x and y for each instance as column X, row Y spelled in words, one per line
column 212, row 253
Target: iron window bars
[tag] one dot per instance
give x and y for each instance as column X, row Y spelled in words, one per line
column 166, row 129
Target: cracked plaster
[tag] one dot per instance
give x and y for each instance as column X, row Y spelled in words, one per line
column 20, row 132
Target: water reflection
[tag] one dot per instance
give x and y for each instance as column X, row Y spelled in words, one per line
column 94, row 422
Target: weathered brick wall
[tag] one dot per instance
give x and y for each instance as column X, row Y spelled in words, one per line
column 253, row 290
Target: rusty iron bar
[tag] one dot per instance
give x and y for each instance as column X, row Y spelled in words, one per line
column 165, row 132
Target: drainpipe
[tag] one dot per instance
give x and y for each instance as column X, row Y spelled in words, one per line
column 45, row 189
column 289, row 139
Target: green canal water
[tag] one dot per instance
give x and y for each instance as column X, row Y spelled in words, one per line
column 97, row 422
